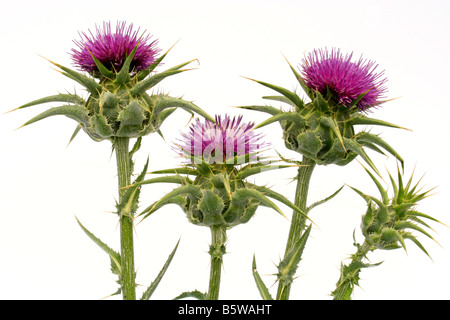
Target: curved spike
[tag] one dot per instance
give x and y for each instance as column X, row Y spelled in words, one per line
column 252, row 193
column 382, row 191
column 357, row 148
column 75, row 112
column 89, row 83
column 275, row 195
column 268, row 109
column 288, row 94
column 371, row 138
column 68, row 98
column 167, row 179
column 363, row 120
column 152, row 81
column 285, row 116
column 193, row 190
column 417, row 243
column 248, row 171
column 169, row 102
column 300, row 80
column 400, row 225
column 263, row 291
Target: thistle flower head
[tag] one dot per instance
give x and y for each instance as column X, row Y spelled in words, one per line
column 228, row 140
column 346, row 80
column 111, row 48
column 389, row 221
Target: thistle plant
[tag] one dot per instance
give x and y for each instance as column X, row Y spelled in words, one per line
column 387, row 223
column 117, row 68
column 213, row 190
column 341, row 94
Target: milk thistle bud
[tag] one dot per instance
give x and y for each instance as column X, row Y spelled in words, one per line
column 120, row 68
column 387, row 223
column 341, row 93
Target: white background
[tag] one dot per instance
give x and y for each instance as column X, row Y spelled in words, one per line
column 44, row 184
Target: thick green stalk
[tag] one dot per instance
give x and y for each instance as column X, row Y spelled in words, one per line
column 121, row 146
column 298, row 222
column 217, row 250
column 344, row 287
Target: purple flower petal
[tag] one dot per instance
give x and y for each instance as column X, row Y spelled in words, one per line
column 220, row 142
column 345, row 79
column 111, row 48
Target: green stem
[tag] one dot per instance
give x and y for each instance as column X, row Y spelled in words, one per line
column 346, row 283
column 217, row 250
column 298, row 222
column 121, row 146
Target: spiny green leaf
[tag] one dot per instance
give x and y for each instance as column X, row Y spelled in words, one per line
column 423, row 215
column 169, row 102
column 115, row 257
column 136, row 147
column 68, row 98
column 178, row 200
column 280, row 99
column 166, row 113
column 363, row 120
column 301, row 81
column 290, row 262
column 166, row 179
column 148, row 293
column 192, row 294
column 152, row 81
column 248, row 171
column 124, row 74
column 357, row 148
column 400, row 225
column 89, row 83
column 74, row 134
column 129, row 199
column 317, row 203
column 103, row 70
column 75, row 112
column 288, row 94
column 416, row 242
column 383, row 193
column 389, row 235
column 285, row 116
column 275, row 195
column 320, row 103
column 189, row 189
column 263, row 291
column 181, row 170
column 358, row 98
column 268, row 109
column 371, row 138
column 252, row 193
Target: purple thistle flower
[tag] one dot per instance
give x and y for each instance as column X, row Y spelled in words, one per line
column 111, row 49
column 330, row 71
column 221, row 142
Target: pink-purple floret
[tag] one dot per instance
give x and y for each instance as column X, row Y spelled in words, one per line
column 111, row 48
column 345, row 79
column 221, row 141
